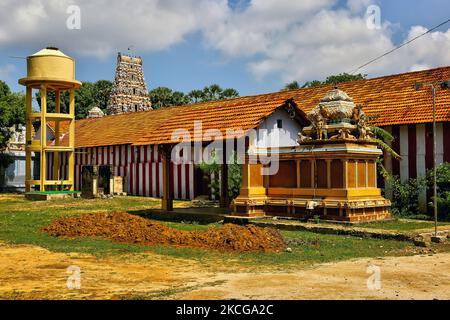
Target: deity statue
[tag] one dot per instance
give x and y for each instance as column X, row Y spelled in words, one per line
column 338, row 116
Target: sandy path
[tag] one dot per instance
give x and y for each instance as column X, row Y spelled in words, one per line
column 415, row 277
column 29, row 272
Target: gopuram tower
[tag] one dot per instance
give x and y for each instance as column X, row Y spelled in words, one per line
column 129, row 92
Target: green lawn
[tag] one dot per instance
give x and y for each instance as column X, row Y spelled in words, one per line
column 20, row 223
column 403, row 225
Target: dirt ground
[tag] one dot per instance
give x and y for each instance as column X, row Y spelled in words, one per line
column 29, row 272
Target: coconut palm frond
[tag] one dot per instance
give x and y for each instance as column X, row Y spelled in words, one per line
column 383, row 134
column 383, row 145
column 384, row 172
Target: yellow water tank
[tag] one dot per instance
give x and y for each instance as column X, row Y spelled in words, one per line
column 50, row 65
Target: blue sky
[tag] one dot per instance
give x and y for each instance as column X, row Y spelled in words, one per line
column 253, row 46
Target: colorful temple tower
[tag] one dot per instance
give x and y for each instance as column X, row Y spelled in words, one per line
column 332, row 174
column 50, row 70
column 129, row 92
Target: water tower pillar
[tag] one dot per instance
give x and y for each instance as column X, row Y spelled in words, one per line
column 50, row 70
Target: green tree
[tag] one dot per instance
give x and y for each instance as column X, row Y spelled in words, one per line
column 228, row 93
column 333, row 79
column 384, row 139
column 179, row 98
column 196, row 95
column 164, row 97
column 4, row 89
column 212, row 93
column 234, row 174
column 344, row 77
column 88, row 96
column 291, row 86
column 310, row 84
column 161, row 97
column 12, row 112
column 101, row 92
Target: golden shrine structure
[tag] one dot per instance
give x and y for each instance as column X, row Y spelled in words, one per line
column 50, row 70
column 332, row 174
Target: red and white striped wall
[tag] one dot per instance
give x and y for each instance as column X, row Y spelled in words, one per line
column 141, row 167
column 63, row 166
column 415, row 145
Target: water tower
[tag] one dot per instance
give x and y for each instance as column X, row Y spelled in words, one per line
column 50, row 70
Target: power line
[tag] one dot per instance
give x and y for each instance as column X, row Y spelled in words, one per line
column 398, row 47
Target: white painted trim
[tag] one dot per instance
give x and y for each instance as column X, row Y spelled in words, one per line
column 404, row 152
column 175, row 181
column 160, row 179
column 439, row 143
column 154, row 195
column 191, row 181
column 420, row 162
column 183, row 181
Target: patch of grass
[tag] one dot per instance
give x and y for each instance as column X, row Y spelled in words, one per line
column 402, row 225
column 167, row 293
column 191, row 226
column 21, row 221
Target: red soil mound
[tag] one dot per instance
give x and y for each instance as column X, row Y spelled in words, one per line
column 126, row 228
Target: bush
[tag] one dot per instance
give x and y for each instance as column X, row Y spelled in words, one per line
column 405, row 195
column 443, row 189
column 234, row 176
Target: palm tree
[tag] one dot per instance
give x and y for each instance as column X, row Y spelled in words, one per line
column 212, row 92
column 384, row 138
column 196, row 95
column 161, row 97
column 291, row 86
column 229, row 93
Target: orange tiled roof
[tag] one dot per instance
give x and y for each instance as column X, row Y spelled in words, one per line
column 157, row 126
column 392, row 98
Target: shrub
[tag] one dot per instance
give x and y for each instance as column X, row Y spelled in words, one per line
column 405, row 195
column 443, row 189
column 234, row 175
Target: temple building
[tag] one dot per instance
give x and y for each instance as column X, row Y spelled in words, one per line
column 129, row 92
column 131, row 142
column 331, row 174
column 137, row 144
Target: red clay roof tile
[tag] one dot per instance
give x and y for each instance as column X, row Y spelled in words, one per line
column 392, row 98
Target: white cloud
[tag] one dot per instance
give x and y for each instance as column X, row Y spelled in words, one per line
column 6, row 71
column 292, row 40
column 106, row 26
column 358, row 6
column 315, row 40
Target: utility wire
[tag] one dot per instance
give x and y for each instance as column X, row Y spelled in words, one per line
column 398, row 47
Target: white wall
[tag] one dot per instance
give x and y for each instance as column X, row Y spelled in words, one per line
column 268, row 135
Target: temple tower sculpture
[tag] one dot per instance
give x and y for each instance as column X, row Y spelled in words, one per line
column 50, row 70
column 129, row 92
column 332, row 174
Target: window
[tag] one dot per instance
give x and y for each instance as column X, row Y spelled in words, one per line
column 279, row 124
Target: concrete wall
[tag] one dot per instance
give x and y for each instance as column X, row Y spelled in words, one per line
column 268, row 134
